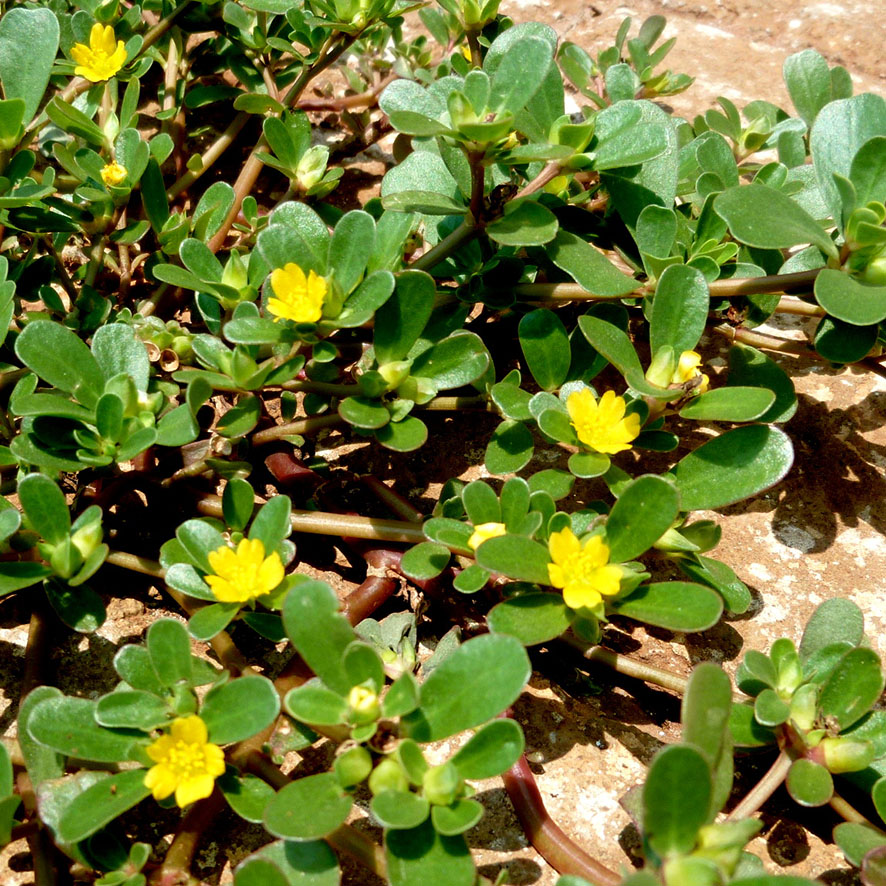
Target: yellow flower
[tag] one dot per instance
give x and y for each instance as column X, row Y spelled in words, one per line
column 244, row 574
column 602, row 425
column 485, row 531
column 582, row 570
column 100, row 60
column 299, row 298
column 186, row 763
column 113, row 174
column 687, row 369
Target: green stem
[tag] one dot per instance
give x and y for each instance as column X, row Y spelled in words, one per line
column 551, row 170
column 451, row 243
column 474, row 45
column 849, row 813
column 766, row 342
column 453, row 403
column 622, row 664
column 348, row 525
column 210, row 155
column 302, row 426
column 718, row 289
column 254, row 165
column 764, row 788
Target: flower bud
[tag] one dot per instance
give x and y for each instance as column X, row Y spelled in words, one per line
column 395, row 372
column 846, row 755
column 364, row 705
column 87, row 538
column 441, row 784
column 388, row 775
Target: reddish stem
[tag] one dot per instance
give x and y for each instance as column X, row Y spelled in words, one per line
column 558, row 850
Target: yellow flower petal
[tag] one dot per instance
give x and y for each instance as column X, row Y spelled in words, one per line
column 688, row 368
column 113, row 174
column 194, row 789
column 187, row 764
column 483, row 532
column 298, row 297
column 602, row 425
column 242, row 575
column 104, row 56
column 582, row 569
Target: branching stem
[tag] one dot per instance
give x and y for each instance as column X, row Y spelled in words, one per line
column 764, row 788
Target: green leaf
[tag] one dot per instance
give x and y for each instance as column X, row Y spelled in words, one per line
column 400, row 320
column 257, row 871
column 153, row 191
column 809, row 784
column 311, row 863
column 117, row 350
column 402, row 696
column 531, row 618
column 721, row 578
column 456, row 818
column 509, row 449
column 672, row 828
column 474, row 684
column 545, row 346
column 644, row 511
column 41, row 761
column 240, row 708
column 60, row 358
column 808, row 79
column 852, row 687
column 770, row 709
column 481, row 503
column 425, row 560
column 68, row 725
column 419, row 856
column 308, row 808
column 705, row 717
column 588, row 465
column 518, row 558
column 101, row 804
column 272, row 523
column 185, row 578
column 79, row 607
column 616, row 347
column 764, row 217
column 733, row 466
column 364, row 412
column 198, row 538
column 247, row 795
column 296, row 236
column 519, row 74
column 679, row 309
column 241, row 418
column 524, row 224
column 205, row 623
column 750, row 367
column 399, row 809
column 849, row 299
column 319, row 632
column 833, row 621
column 839, row 131
column 842, row 342
column 351, row 247
column 315, row 704
column 491, row 750
column 675, row 605
column 731, row 403
column 457, row 360
column 403, row 436
column 169, row 648
column 856, row 840
column 131, row 709
column 558, row 484
column 45, row 507
column 28, row 46
column 588, row 266
column 238, row 503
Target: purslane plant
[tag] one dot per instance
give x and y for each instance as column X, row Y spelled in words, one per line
column 178, row 315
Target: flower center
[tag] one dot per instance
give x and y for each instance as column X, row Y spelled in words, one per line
column 186, row 760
